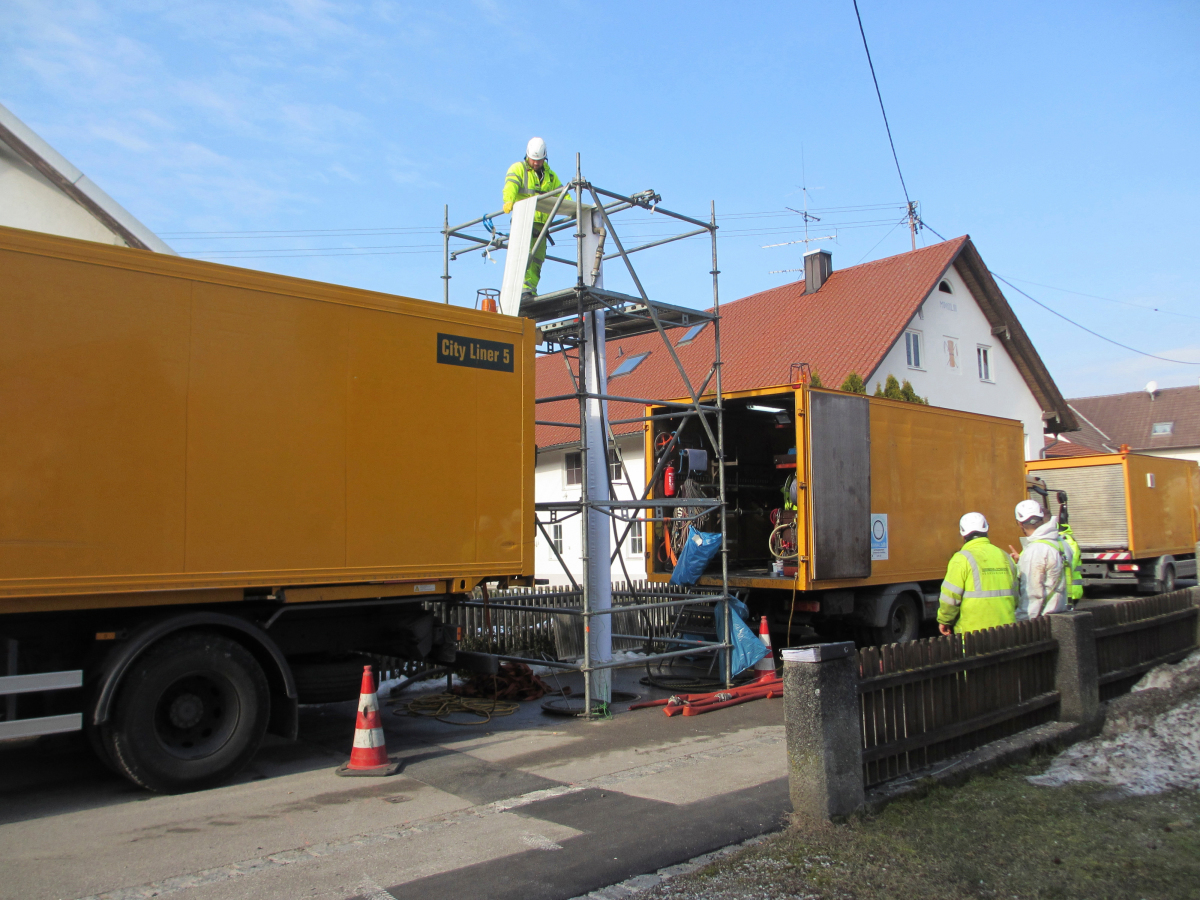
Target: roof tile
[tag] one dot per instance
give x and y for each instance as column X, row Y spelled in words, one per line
column 847, row 326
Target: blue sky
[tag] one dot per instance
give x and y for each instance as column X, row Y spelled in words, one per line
column 1062, row 137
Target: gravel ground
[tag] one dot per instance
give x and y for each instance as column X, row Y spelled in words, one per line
column 1114, row 817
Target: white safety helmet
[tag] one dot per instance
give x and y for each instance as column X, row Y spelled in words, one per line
column 972, row 522
column 1029, row 509
column 535, row 149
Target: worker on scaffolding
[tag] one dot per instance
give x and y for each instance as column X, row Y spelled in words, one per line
column 527, row 178
column 980, row 588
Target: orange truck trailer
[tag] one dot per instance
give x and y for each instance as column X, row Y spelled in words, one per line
column 220, row 488
column 1136, row 517
column 879, row 486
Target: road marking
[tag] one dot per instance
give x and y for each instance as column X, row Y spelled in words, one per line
column 425, row 826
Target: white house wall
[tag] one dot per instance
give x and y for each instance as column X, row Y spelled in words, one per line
column 944, row 316
column 550, row 484
column 29, row 201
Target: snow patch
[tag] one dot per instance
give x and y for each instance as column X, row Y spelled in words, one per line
column 1151, row 739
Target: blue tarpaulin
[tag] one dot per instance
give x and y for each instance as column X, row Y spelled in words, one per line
column 698, row 550
column 747, row 648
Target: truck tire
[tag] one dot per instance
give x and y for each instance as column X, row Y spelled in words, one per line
column 190, row 713
column 325, row 679
column 903, row 623
column 1166, row 584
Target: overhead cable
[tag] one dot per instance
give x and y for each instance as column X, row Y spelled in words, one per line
column 1169, row 312
column 881, row 109
column 1182, row 362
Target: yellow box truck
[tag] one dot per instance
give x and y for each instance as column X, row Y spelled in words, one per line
column 1136, row 517
column 877, row 487
column 217, row 486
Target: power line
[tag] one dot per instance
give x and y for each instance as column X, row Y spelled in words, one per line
column 1168, row 312
column 879, row 94
column 925, row 224
column 1182, row 362
column 882, row 239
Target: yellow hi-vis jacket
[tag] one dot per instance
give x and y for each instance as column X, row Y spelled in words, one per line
column 1075, row 579
column 980, row 588
column 523, row 181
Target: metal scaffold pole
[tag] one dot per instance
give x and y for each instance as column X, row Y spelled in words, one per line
column 725, row 605
column 446, row 253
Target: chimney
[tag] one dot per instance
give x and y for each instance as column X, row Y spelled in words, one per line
column 817, row 266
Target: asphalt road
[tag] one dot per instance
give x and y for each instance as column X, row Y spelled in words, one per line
column 526, row 807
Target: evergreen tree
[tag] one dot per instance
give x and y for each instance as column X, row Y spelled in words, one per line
column 907, row 393
column 892, row 389
column 816, row 380
column 854, row 384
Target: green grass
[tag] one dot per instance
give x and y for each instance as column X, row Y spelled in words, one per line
column 996, row 836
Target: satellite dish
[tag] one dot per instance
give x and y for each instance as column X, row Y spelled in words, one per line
column 1152, row 389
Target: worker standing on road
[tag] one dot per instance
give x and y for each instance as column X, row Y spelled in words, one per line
column 1043, row 565
column 526, row 178
column 980, row 588
column 1075, row 570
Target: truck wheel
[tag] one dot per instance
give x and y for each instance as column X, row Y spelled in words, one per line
column 190, row 713
column 1167, row 583
column 903, row 623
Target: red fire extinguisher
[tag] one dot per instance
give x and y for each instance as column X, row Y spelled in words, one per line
column 669, row 481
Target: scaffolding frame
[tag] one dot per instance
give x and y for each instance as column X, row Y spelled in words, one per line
column 582, row 318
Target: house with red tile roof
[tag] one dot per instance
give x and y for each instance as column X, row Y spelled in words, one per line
column 934, row 317
column 1162, row 422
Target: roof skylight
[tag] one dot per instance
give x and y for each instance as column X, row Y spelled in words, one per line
column 628, row 365
column 691, row 334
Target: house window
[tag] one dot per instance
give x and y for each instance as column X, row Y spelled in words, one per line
column 1162, row 428
column 614, row 465
column 628, row 365
column 945, row 287
column 953, row 361
column 635, row 538
column 983, row 359
column 556, row 537
column 691, row 334
column 912, row 348
column 574, row 468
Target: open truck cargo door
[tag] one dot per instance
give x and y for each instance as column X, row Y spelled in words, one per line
column 840, row 438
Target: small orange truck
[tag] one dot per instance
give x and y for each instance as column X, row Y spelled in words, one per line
column 220, row 488
column 877, row 488
column 1136, row 517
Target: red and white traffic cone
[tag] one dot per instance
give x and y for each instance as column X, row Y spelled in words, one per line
column 368, row 756
column 765, row 667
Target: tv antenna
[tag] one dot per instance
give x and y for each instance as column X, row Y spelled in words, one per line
column 806, row 216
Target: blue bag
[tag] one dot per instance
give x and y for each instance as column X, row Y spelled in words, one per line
column 698, row 551
column 747, row 647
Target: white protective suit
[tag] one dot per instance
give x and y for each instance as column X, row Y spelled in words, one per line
column 1042, row 575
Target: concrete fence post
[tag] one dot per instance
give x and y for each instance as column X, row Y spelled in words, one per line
column 1076, row 676
column 1194, row 592
column 823, row 729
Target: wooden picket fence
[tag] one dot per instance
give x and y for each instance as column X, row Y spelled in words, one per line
column 932, row 699
column 1134, row 636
